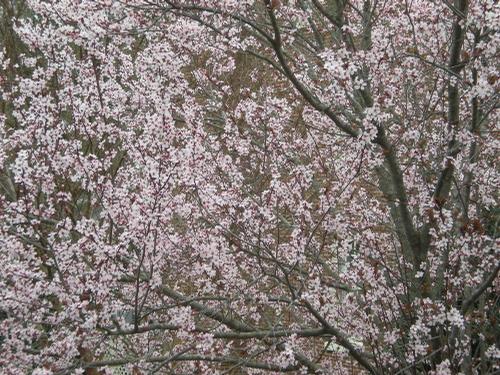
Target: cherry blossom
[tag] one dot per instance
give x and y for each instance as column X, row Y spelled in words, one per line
column 249, row 186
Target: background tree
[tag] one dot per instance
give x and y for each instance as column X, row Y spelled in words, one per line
column 236, row 186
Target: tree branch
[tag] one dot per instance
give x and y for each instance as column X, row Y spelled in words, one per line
column 469, row 302
column 301, row 88
column 191, row 357
column 342, row 340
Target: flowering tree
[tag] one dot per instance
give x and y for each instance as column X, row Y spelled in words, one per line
column 248, row 186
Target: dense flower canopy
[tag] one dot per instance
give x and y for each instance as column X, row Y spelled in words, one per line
column 249, row 186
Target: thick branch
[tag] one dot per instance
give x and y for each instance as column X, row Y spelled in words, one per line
column 237, row 17
column 227, row 321
column 208, row 312
column 469, row 302
column 257, row 334
column 342, row 340
column 301, row 88
column 444, row 182
column 191, row 357
column 399, row 191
